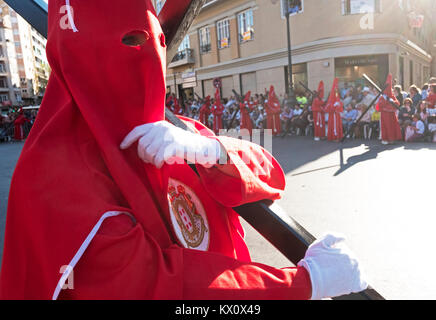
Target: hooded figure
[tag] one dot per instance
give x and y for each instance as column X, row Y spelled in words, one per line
column 334, row 108
column 319, row 113
column 205, row 112
column 217, row 111
column 245, row 109
column 19, row 122
column 177, row 109
column 389, row 126
column 96, row 222
column 273, row 112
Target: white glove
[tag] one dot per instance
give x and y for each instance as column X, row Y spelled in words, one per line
column 333, row 268
column 162, row 142
column 337, row 104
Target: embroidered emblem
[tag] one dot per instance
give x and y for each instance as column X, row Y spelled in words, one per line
column 188, row 216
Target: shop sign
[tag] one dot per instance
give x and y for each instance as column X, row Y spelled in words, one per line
column 360, row 61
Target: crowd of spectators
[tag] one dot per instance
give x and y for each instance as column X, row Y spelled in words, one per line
column 416, row 115
column 14, row 120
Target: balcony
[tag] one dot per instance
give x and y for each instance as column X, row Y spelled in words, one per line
column 182, row 58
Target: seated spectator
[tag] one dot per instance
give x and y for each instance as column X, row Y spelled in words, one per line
column 358, row 94
column 400, row 94
column 422, row 111
column 344, row 90
column 406, row 113
column 415, row 132
column 349, row 118
column 348, row 98
column 286, row 118
column 367, row 97
column 301, row 122
column 365, row 123
column 375, row 124
column 415, row 95
column 424, row 91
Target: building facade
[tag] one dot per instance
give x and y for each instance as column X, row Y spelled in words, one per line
column 24, row 68
column 244, row 43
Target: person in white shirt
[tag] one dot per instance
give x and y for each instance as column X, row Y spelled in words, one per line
column 415, row 133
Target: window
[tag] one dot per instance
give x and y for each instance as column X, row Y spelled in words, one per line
column 223, row 28
column 205, row 40
column 4, row 97
column 185, row 44
column 2, row 67
column 246, row 26
column 361, row 6
column 295, row 7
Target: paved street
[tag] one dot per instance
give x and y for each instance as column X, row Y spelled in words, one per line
column 9, row 153
column 382, row 199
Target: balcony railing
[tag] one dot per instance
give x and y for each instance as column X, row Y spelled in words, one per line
column 182, row 58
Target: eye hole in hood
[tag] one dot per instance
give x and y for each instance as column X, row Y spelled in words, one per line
column 135, row 38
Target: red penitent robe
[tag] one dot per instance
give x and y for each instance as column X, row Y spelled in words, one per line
column 319, row 113
column 177, row 109
column 335, row 130
column 273, row 112
column 245, row 109
column 18, row 127
column 217, row 111
column 389, row 126
column 204, row 112
column 95, row 222
column 334, row 108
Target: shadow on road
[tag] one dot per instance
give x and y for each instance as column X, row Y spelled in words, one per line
column 295, row 152
column 375, row 149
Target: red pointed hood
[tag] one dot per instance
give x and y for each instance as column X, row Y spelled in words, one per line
column 334, row 93
column 389, row 91
column 247, row 96
column 71, row 169
column 321, row 90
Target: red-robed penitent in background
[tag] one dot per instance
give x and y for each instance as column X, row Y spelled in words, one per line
column 245, row 109
column 126, row 229
column 205, row 112
column 18, row 126
column 273, row 112
column 217, row 111
column 335, row 107
column 319, row 112
column 389, row 126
